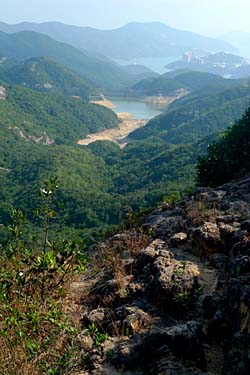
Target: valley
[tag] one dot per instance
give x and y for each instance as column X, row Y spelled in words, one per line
column 133, row 114
column 109, row 250
column 118, row 135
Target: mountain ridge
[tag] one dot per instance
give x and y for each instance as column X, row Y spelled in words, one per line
column 28, row 44
column 107, row 41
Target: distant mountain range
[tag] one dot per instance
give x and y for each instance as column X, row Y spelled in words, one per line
column 103, row 72
column 132, row 40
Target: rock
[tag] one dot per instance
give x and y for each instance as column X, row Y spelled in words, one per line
column 226, row 219
column 96, row 316
column 236, row 224
column 218, row 261
column 206, row 238
column 182, row 341
column 165, row 285
column 210, row 305
column 245, row 225
column 178, row 238
column 147, row 256
column 86, row 342
column 226, row 232
column 136, row 320
column 245, row 181
column 240, row 265
column 238, row 359
column 173, row 283
column 215, row 196
column 241, row 248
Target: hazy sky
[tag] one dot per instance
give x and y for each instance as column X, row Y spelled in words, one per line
column 210, row 17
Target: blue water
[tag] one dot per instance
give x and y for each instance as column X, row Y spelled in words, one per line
column 157, row 64
column 138, row 109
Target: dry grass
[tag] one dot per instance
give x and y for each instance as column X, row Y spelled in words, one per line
column 36, row 332
column 114, row 254
column 200, row 211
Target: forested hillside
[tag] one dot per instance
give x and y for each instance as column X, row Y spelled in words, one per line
column 28, row 44
column 197, row 116
column 45, row 111
column 101, row 183
column 45, row 75
column 168, row 83
column 39, row 117
column 227, row 158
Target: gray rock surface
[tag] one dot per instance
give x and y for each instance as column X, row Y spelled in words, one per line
column 180, row 304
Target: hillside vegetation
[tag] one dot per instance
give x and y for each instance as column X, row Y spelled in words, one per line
column 45, row 75
column 36, row 116
column 197, row 116
column 28, row 44
column 227, row 158
column 101, row 183
column 168, row 83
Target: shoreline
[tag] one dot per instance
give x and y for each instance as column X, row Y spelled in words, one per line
column 127, row 125
column 117, row 135
column 104, row 102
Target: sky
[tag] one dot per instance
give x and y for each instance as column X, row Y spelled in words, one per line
column 208, row 17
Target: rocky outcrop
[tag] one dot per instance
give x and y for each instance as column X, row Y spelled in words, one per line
column 3, row 93
column 177, row 302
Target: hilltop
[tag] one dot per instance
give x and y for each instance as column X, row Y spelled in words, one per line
column 45, row 75
column 199, row 114
column 169, row 83
column 28, row 44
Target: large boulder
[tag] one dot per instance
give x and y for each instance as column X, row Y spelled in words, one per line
column 206, row 239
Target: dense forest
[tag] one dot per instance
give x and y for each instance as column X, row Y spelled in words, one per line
column 197, row 115
column 46, row 111
column 61, row 119
column 45, row 75
column 228, row 157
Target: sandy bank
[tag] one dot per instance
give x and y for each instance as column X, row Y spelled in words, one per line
column 126, row 126
column 104, row 102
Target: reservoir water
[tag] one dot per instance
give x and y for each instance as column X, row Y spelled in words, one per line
column 157, row 64
column 139, row 110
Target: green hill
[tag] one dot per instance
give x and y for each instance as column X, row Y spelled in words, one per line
column 168, row 83
column 100, row 183
column 156, row 86
column 45, row 75
column 197, row 116
column 45, row 118
column 28, row 44
column 228, row 157
column 196, row 81
column 97, row 183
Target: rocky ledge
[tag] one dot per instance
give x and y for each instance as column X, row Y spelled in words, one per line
column 174, row 296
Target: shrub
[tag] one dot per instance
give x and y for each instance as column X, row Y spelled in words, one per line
column 227, row 158
column 36, row 333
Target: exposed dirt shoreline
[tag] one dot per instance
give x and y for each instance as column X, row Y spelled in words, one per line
column 117, row 135
column 127, row 124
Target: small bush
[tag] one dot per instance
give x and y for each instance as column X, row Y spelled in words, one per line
column 36, row 334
